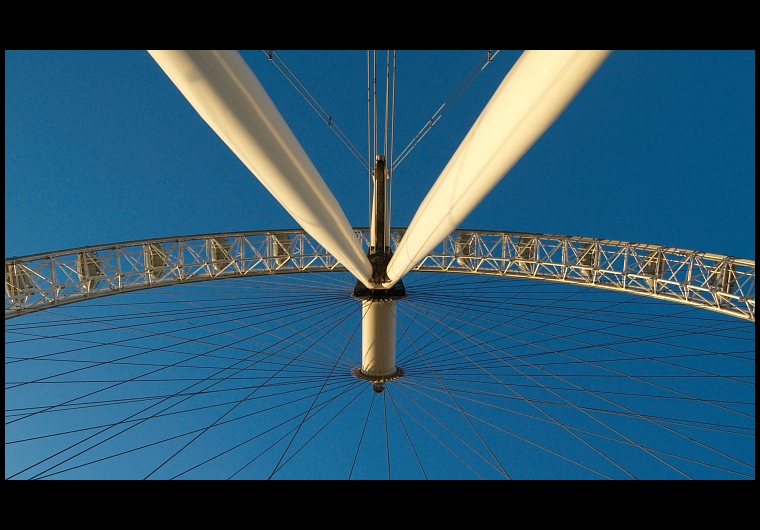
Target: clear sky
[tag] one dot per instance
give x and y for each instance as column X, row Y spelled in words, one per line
column 658, row 148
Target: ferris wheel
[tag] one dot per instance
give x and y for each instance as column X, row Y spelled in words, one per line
column 275, row 373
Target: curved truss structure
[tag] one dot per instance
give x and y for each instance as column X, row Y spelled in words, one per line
column 712, row 281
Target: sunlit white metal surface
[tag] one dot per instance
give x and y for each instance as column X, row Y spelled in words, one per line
column 712, row 281
column 533, row 94
column 228, row 96
column 379, row 338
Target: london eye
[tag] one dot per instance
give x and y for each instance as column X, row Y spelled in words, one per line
column 518, row 354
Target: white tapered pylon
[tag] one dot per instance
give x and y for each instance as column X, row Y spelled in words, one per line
column 531, row 97
column 228, row 96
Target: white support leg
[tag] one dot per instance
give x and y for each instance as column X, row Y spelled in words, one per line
column 228, row 96
column 532, row 96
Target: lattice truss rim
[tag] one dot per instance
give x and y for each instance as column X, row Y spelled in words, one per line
column 712, row 281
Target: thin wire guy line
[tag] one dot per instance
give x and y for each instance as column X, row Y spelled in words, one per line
column 657, row 423
column 457, row 390
column 277, row 466
column 406, row 433
column 110, row 437
column 364, row 428
column 438, row 114
column 314, row 104
column 543, row 412
column 504, row 471
column 81, row 441
column 187, row 433
column 233, row 408
column 621, row 374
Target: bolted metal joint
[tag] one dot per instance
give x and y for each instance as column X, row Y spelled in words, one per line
column 380, row 240
column 379, row 261
column 358, row 373
column 397, row 292
column 379, row 249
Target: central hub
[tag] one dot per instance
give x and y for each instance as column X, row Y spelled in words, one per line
column 378, row 304
column 378, row 382
column 378, row 343
column 397, row 292
column 378, row 379
column 379, row 261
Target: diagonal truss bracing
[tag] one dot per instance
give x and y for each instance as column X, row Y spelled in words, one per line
column 712, row 281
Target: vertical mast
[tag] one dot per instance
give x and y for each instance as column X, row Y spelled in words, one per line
column 379, row 304
column 380, row 247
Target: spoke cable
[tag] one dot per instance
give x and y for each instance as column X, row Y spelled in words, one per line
column 409, row 439
column 649, row 419
column 364, row 428
column 539, row 408
column 453, row 97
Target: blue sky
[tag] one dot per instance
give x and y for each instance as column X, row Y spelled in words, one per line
column 658, row 148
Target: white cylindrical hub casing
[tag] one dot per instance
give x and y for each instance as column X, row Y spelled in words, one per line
column 379, row 337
